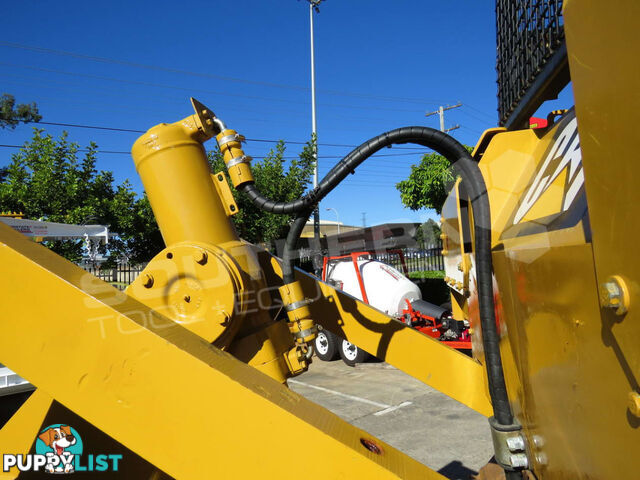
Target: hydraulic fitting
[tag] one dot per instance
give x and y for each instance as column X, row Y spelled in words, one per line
column 238, row 164
column 297, row 359
column 301, row 324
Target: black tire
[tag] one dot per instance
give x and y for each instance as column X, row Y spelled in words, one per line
column 326, row 346
column 351, row 354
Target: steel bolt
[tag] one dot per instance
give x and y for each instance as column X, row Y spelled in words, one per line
column 519, row 460
column 614, row 295
column 515, row 444
column 634, row 403
column 538, row 441
column 541, row 458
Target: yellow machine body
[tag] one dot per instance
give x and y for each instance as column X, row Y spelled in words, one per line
column 206, row 313
column 565, row 208
column 200, row 344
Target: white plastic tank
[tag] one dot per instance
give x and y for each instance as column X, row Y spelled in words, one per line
column 387, row 289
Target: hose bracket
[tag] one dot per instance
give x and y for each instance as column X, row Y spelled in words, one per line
column 509, row 445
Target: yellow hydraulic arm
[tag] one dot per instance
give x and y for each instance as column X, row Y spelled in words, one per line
column 194, row 347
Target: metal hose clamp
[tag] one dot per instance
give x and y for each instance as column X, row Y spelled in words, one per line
column 238, row 160
column 305, row 333
column 296, row 305
column 235, row 137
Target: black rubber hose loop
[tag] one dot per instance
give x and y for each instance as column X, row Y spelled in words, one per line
column 468, row 169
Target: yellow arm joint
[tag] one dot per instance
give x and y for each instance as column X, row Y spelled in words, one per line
column 230, row 143
column 301, row 325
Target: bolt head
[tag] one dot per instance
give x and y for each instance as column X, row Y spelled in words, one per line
column 610, row 294
column 538, row 441
column 634, row 403
column 515, row 444
column 519, row 460
column 614, row 294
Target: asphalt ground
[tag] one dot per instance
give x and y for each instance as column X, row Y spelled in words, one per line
column 403, row 412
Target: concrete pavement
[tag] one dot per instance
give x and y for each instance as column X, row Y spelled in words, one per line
column 418, row 420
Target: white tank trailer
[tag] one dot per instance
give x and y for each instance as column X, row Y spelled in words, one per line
column 386, row 289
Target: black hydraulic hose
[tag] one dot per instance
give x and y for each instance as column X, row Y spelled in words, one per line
column 288, row 275
column 472, row 177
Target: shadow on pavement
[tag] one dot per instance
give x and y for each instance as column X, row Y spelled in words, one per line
column 456, row 471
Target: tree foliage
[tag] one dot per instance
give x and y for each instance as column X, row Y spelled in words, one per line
column 12, row 114
column 46, row 180
column 428, row 233
column 276, row 181
column 428, row 184
column 50, row 179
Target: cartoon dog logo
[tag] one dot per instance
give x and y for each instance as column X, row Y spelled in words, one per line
column 59, row 439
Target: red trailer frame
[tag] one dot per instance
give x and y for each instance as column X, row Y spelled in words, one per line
column 354, row 258
column 418, row 320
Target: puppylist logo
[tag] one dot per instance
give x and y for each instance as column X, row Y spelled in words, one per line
column 59, row 450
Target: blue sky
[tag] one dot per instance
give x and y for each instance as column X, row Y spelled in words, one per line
column 379, row 66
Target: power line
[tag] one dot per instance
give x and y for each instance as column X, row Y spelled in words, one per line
column 201, row 90
column 127, row 63
column 79, row 149
column 93, row 127
column 290, row 157
column 260, row 140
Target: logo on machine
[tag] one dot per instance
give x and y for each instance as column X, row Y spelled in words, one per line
column 564, row 155
column 555, row 199
column 59, row 450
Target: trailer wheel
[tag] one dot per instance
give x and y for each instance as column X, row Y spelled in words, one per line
column 326, row 346
column 352, row 354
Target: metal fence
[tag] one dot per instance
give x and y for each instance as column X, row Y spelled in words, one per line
column 120, row 276
column 529, row 33
column 428, row 258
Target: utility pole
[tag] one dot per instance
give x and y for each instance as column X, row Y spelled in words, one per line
column 314, row 5
column 337, row 217
column 364, row 219
column 440, row 112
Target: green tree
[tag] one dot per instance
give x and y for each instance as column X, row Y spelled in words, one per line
column 12, row 114
column 46, row 180
column 428, row 184
column 276, row 181
column 431, row 232
column 428, row 233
